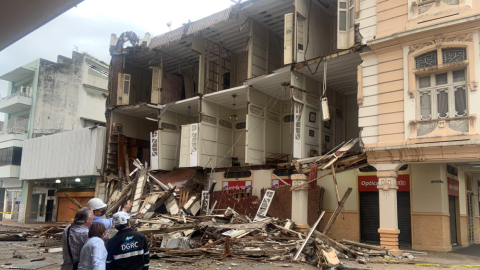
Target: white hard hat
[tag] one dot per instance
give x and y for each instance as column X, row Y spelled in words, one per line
column 120, row 218
column 96, row 204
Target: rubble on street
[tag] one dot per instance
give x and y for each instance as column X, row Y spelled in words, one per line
column 192, row 221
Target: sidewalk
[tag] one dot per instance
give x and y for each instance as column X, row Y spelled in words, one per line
column 13, row 223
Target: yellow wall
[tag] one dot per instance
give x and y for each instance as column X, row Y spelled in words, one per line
column 392, row 16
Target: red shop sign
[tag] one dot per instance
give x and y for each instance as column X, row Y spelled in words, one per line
column 277, row 183
column 235, row 187
column 453, row 187
column 370, row 182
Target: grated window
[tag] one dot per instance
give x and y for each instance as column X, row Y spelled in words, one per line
column 453, row 55
column 426, row 60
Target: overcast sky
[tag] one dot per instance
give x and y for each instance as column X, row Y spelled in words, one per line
column 90, row 25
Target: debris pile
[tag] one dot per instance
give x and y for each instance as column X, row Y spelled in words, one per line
column 187, row 219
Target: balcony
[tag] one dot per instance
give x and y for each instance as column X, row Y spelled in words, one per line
column 16, row 102
column 96, row 85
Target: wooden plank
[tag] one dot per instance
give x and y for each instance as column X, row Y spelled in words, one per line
column 337, row 212
column 138, row 192
column 335, row 183
column 308, row 236
column 336, row 245
column 353, row 243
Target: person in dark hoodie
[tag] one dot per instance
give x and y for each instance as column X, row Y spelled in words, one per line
column 128, row 249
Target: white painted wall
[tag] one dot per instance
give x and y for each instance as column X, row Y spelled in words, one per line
column 368, row 111
column 321, row 34
column 345, row 180
column 367, row 18
column 263, row 136
column 135, row 127
column 429, row 197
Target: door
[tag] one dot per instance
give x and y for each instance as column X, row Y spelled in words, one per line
column 453, row 219
column 404, row 219
column 65, row 212
column 34, row 207
column 369, row 217
column 49, row 210
column 471, row 225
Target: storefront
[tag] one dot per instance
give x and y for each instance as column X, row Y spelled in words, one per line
column 453, row 204
column 370, row 209
column 79, row 189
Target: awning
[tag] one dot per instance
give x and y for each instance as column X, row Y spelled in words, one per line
column 17, row 74
column 19, row 18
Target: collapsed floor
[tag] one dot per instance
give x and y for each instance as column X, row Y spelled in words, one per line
column 184, row 221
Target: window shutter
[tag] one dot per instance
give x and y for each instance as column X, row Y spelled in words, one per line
column 120, row 88
column 156, row 85
column 288, row 39
column 301, row 37
column 346, row 24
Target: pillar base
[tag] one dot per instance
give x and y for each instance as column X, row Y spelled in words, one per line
column 389, row 239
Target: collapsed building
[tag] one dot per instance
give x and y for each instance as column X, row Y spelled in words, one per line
column 232, row 94
column 247, row 93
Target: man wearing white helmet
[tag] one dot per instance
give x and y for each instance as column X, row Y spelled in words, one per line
column 100, row 208
column 128, row 249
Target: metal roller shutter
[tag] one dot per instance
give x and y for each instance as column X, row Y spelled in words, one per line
column 369, row 217
column 404, row 218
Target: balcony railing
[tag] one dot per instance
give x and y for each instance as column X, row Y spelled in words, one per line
column 18, row 94
column 16, row 126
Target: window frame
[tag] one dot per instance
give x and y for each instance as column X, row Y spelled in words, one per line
column 441, row 68
column 432, row 90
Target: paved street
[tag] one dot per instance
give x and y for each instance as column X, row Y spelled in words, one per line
column 16, row 253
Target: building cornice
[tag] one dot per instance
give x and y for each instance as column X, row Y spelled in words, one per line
column 410, row 32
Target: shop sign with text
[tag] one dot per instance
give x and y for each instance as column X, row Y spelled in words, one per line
column 370, row 182
column 453, row 187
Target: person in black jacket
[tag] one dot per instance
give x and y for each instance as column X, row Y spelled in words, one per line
column 128, row 249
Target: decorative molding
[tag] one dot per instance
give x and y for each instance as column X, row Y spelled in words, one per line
column 225, row 123
column 273, row 116
column 297, row 94
column 451, row 2
column 468, row 37
column 426, row 128
column 168, row 126
column 256, row 110
column 439, row 40
column 460, row 125
column 424, row 8
column 313, row 100
column 209, row 119
column 418, row 46
column 473, row 85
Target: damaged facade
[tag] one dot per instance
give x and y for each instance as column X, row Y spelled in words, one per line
column 45, row 98
column 244, row 92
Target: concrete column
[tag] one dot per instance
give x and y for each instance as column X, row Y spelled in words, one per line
column 25, row 202
column 300, row 200
column 387, row 188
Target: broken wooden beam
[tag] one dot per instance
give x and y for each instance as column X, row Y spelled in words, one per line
column 308, row 236
column 337, row 212
column 362, row 245
column 336, row 245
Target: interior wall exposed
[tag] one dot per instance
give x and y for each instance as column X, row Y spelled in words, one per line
column 351, row 119
column 263, row 127
column 322, row 39
column 266, row 50
column 141, row 83
column 134, row 127
column 216, row 136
